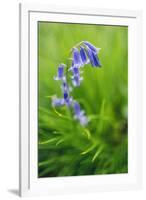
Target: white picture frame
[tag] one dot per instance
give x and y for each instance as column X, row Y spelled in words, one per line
column 30, row 184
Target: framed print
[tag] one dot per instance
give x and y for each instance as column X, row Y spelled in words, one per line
column 80, row 100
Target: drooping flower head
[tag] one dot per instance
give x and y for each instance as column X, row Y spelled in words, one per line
column 91, row 47
column 92, row 52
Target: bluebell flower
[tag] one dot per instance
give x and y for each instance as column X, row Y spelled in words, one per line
column 79, row 114
column 65, row 90
column 68, row 101
column 93, row 58
column 76, row 58
column 65, row 95
column 60, row 74
column 83, row 55
column 67, row 98
column 83, row 120
column 58, row 102
column 76, row 79
column 75, row 70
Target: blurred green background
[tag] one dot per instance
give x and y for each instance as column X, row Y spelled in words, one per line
column 64, row 147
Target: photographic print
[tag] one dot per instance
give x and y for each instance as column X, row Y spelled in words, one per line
column 82, row 99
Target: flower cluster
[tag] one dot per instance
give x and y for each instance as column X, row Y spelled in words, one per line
column 82, row 54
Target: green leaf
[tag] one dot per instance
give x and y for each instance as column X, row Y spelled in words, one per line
column 97, row 154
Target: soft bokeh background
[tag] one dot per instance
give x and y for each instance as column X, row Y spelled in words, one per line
column 66, row 148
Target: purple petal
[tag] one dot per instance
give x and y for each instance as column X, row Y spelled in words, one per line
column 76, row 80
column 60, row 73
column 90, row 56
column 96, row 60
column 76, row 108
column 83, row 55
column 58, row 102
column 68, row 101
column 83, row 120
column 75, row 70
column 80, row 114
column 65, row 95
column 76, row 58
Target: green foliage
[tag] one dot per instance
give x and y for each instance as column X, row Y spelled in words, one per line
column 65, row 147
